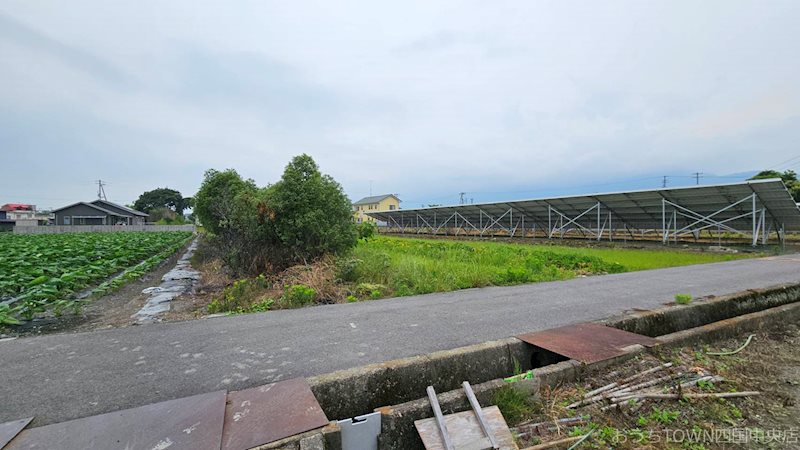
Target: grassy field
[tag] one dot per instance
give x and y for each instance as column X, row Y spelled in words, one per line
column 395, row 267
column 418, row 266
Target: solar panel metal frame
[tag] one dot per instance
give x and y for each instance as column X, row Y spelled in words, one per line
column 739, row 206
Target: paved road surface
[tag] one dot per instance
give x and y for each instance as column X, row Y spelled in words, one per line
column 66, row 376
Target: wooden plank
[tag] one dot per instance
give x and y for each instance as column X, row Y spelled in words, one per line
column 465, row 431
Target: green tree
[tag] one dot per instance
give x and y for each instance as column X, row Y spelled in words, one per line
column 311, row 214
column 215, row 202
column 300, row 218
column 789, row 178
column 162, row 198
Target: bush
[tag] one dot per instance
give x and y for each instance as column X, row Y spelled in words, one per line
column 301, row 218
column 366, row 230
column 347, row 269
column 241, row 296
column 299, row 295
column 215, row 202
column 311, row 214
column 683, row 299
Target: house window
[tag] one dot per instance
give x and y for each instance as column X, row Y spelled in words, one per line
column 67, row 220
column 391, row 207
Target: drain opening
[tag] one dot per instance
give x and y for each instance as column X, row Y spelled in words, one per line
column 541, row 357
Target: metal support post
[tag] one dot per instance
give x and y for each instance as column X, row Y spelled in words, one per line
column 664, row 231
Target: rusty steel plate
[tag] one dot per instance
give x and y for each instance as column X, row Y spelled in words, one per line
column 10, row 429
column 586, row 342
column 186, row 423
column 268, row 413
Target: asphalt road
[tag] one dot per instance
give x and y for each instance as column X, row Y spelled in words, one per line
column 66, row 376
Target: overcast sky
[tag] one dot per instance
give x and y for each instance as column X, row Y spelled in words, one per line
column 501, row 100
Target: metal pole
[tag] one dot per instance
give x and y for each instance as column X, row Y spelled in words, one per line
column 549, row 227
column 598, row 221
column 663, row 221
column 675, row 224
column 755, row 219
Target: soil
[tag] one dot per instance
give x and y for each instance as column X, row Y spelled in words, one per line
column 769, row 364
column 110, row 311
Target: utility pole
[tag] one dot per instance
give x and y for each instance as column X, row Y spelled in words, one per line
column 461, row 194
column 697, row 177
column 664, row 182
column 101, row 193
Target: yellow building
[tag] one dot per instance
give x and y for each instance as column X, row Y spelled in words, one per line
column 386, row 202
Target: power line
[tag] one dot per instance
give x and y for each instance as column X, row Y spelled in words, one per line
column 790, row 160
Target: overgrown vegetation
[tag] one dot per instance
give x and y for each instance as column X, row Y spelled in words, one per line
column 514, row 404
column 766, row 421
column 299, row 219
column 683, row 299
column 389, row 266
column 40, row 273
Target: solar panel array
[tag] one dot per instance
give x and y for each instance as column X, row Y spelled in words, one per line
column 728, row 204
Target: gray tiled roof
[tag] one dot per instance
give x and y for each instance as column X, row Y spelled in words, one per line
column 374, row 199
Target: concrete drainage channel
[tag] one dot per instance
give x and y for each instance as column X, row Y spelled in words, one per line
column 396, row 389
column 385, row 399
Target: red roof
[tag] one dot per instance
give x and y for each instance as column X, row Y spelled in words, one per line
column 16, row 207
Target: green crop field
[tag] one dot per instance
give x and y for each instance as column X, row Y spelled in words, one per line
column 418, row 266
column 43, row 272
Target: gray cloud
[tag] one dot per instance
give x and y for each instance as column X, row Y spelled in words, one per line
column 425, row 100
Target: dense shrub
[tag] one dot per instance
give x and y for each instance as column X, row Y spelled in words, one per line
column 299, row 219
column 215, row 202
column 299, row 295
column 311, row 214
column 366, row 230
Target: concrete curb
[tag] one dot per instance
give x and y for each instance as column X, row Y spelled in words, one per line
column 669, row 319
column 732, row 327
column 353, row 392
column 398, row 430
column 360, row 390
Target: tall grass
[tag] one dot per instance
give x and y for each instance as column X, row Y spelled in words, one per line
column 419, row 266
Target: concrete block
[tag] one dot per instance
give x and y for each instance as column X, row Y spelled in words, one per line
column 313, row 442
column 325, row 438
